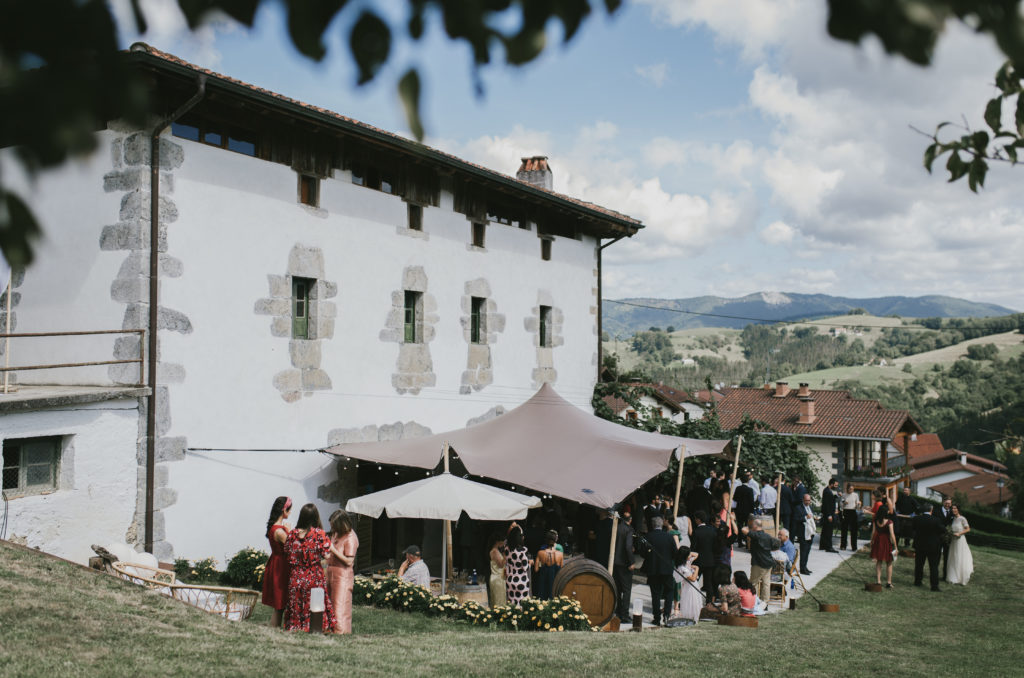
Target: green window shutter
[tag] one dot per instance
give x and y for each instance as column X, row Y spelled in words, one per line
column 300, row 308
column 410, row 317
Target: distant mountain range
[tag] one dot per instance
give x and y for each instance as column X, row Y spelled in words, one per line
column 624, row 319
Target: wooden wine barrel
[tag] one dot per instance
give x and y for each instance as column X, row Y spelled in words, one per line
column 475, row 592
column 590, row 583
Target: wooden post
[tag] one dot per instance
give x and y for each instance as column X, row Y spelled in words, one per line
column 611, row 549
column 732, row 484
column 778, row 506
column 7, row 329
column 448, row 524
column 679, row 482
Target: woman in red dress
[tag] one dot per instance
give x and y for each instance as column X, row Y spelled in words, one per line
column 882, row 544
column 307, row 545
column 275, row 576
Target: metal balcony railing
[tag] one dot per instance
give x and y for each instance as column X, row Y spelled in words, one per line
column 20, row 368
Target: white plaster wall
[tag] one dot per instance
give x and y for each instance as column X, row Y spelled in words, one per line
column 96, row 496
column 67, row 288
column 224, row 498
column 827, row 453
column 238, row 221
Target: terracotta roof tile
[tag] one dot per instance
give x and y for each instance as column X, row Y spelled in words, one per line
column 979, row 489
column 944, row 467
column 837, row 414
column 926, row 444
column 170, row 58
column 937, row 457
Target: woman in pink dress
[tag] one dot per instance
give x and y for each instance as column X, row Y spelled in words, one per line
column 275, row 576
column 340, row 568
column 307, row 545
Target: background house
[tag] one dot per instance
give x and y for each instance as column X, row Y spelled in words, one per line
column 852, row 437
column 321, row 281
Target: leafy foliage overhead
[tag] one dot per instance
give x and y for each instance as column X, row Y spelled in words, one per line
column 911, row 28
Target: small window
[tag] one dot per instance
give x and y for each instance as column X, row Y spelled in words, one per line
column 31, row 464
column 243, row 146
column 309, row 190
column 300, row 307
column 631, row 415
column 545, row 326
column 545, row 249
column 415, row 217
column 185, row 131
column 413, row 317
column 479, row 231
column 213, row 138
column 476, row 320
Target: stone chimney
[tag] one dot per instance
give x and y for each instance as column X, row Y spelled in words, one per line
column 535, row 171
column 767, row 386
column 963, row 458
column 805, row 391
column 806, row 411
column 781, row 389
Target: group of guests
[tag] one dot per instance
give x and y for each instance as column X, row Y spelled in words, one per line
column 516, row 573
column 295, row 567
column 935, row 532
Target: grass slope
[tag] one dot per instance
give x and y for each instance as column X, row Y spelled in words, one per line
column 57, row 619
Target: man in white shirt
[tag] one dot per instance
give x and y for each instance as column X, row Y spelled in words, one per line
column 848, row 520
column 414, row 570
column 752, row 484
column 710, row 479
column 769, row 497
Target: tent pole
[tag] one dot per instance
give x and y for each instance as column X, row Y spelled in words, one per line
column 7, row 329
column 679, row 480
column 444, row 554
column 732, row 485
column 611, row 548
column 450, row 567
column 778, row 506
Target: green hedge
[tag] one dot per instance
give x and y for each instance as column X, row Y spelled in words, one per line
column 999, row 541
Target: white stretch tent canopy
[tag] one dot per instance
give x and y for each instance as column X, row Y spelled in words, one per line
column 444, row 497
column 549, row 445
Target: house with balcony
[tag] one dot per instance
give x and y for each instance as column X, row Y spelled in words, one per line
column 662, row 400
column 853, row 437
column 261, row 278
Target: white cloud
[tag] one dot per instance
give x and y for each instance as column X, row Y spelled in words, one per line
column 777, row 233
column 656, row 74
column 167, row 29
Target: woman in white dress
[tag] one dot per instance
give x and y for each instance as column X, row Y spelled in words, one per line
column 961, row 562
column 686, row 573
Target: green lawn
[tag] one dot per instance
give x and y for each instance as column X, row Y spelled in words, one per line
column 58, row 620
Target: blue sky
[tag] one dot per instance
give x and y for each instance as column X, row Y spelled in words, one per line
column 761, row 154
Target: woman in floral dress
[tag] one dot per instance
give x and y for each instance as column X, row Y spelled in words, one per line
column 307, row 545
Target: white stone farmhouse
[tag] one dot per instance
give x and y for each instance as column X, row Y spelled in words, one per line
column 320, row 281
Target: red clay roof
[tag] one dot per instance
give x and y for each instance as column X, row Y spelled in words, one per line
column 979, row 489
column 837, row 414
column 938, row 457
column 171, row 59
column 926, row 444
column 945, row 467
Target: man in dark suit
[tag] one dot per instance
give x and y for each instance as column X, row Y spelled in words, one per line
column 702, row 541
column 623, row 574
column 829, row 515
column 906, row 508
column 744, row 497
column 659, row 565
column 800, row 532
column 928, row 530
column 798, row 501
column 945, row 517
column 785, row 505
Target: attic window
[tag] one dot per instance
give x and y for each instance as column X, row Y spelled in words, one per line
column 415, row 217
column 217, row 134
column 373, row 177
column 479, row 231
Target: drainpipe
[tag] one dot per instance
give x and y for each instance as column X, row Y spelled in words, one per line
column 154, row 294
column 600, row 347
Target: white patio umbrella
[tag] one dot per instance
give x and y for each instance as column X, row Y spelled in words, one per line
column 444, row 497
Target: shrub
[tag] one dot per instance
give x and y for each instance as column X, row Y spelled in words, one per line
column 559, row 614
column 199, row 572
column 246, row 568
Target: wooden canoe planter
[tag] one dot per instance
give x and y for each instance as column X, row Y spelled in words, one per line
column 590, row 583
column 874, row 588
column 727, row 620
